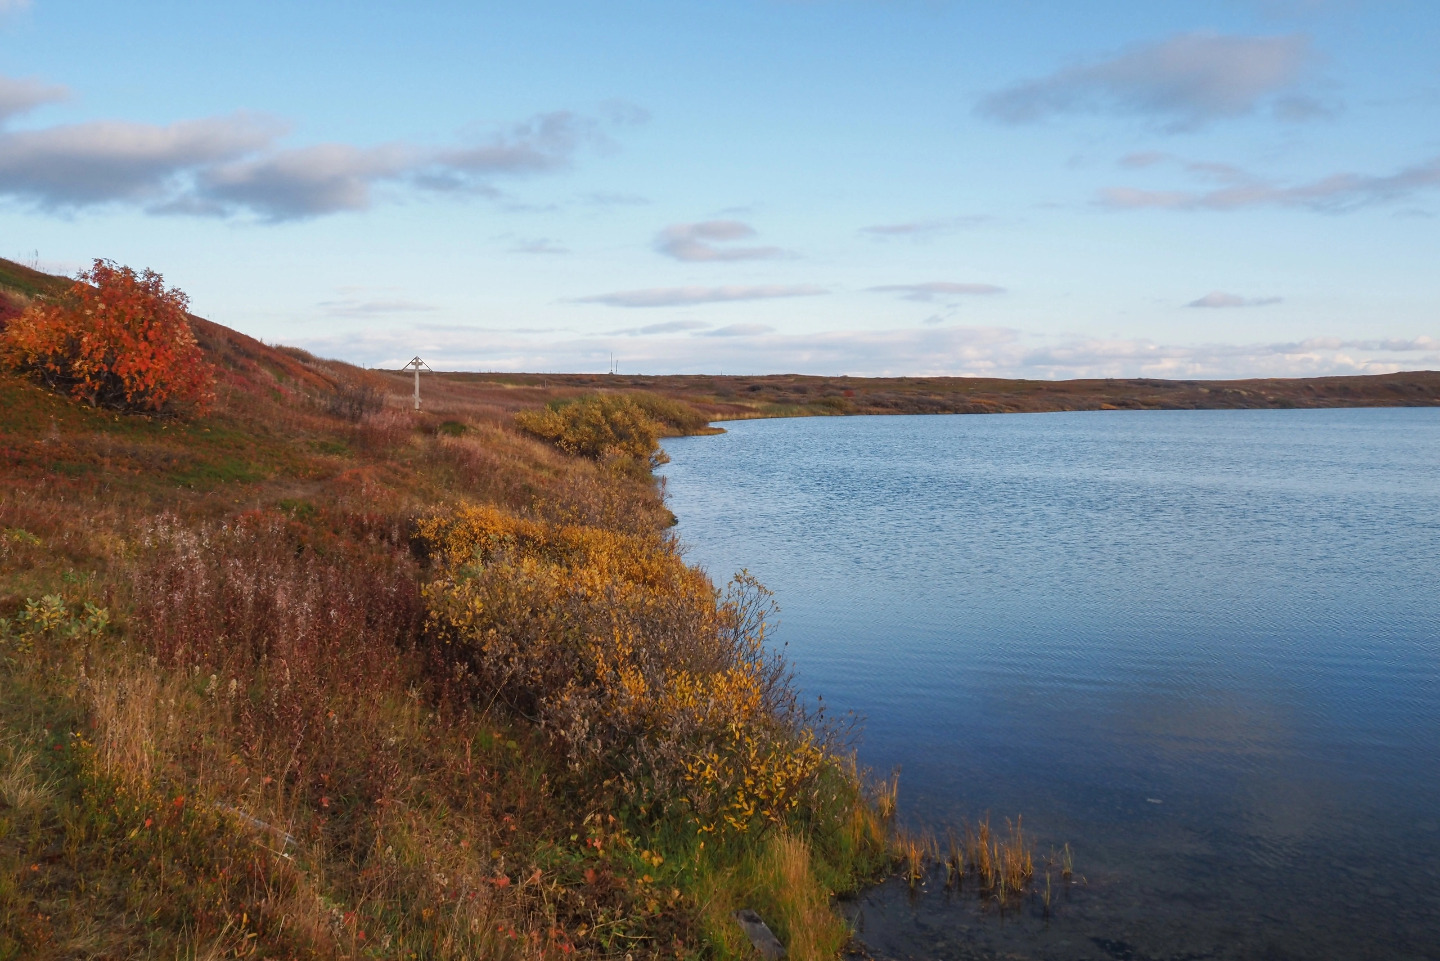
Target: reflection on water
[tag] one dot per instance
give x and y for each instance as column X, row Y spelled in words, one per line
column 1201, row 646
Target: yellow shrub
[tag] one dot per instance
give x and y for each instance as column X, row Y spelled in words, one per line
column 624, row 653
column 600, row 427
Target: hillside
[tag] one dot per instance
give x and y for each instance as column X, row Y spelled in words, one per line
column 315, row 676
column 19, row 284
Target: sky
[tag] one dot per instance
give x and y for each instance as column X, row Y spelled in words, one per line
column 1036, row 188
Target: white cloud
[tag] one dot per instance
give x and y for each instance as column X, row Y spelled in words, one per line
column 546, row 142
column 14, row 6
column 539, row 245
column 351, row 307
column 697, row 242
column 916, row 229
column 1187, row 81
column 221, row 166
column 330, row 178
column 740, row 330
column 921, row 351
column 1221, row 299
column 742, row 349
column 686, row 296
column 930, row 291
column 669, row 327
column 19, row 95
column 1306, row 358
column 90, row 163
column 307, row 182
column 1240, row 190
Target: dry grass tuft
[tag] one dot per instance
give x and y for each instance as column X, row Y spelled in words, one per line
column 21, row 787
column 915, row 852
column 887, row 797
column 1003, row 865
column 126, row 706
column 1017, row 861
column 954, row 859
column 814, row 932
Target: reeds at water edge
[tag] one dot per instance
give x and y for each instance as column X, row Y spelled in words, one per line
column 917, row 852
column 1063, row 863
column 954, row 860
column 1000, row 864
column 887, row 794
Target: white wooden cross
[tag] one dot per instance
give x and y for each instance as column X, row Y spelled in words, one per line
column 416, row 364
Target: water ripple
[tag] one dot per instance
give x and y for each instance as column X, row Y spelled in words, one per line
column 1201, row 646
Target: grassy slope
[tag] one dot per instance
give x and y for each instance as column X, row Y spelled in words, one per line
column 19, row 284
column 331, row 799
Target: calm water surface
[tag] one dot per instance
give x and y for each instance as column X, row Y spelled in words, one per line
column 1203, row 647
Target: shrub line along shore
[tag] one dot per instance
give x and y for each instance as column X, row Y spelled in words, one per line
column 288, row 669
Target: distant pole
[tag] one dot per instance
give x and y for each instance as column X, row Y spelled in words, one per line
column 416, row 364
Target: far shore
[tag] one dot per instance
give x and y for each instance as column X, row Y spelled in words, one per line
column 731, row 397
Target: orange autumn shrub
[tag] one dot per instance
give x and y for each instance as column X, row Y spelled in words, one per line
column 631, row 659
column 115, row 339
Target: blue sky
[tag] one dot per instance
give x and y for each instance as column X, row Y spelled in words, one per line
column 1040, row 188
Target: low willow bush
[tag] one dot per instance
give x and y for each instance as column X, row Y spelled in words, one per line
column 630, row 659
column 610, row 426
column 675, row 416
column 663, row 699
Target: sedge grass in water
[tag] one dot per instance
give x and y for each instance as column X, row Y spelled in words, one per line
column 995, row 867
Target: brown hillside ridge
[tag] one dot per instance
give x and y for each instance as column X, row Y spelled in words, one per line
column 796, row 395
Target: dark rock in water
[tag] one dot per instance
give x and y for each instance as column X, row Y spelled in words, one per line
column 760, row 935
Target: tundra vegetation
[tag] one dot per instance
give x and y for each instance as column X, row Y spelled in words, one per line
column 290, row 670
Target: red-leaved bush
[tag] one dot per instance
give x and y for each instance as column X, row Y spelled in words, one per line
column 115, row 339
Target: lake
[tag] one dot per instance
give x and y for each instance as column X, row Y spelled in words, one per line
column 1201, row 647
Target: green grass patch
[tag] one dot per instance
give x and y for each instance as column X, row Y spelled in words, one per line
column 331, row 448
column 451, row 428
column 209, row 474
column 300, row 509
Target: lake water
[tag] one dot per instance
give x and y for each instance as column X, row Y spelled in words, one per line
column 1203, row 647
